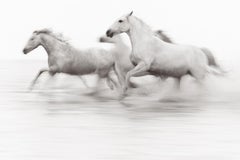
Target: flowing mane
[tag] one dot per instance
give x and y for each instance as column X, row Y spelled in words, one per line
column 142, row 24
column 58, row 36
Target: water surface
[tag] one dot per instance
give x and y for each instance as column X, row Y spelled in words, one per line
column 59, row 121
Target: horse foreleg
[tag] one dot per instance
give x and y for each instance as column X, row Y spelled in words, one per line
column 97, row 86
column 111, row 82
column 140, row 70
column 36, row 78
column 177, row 83
column 84, row 81
column 120, row 74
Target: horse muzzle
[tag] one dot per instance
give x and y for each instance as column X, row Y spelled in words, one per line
column 101, row 39
column 110, row 33
column 25, row 51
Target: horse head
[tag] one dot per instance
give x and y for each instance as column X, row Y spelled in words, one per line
column 119, row 26
column 33, row 42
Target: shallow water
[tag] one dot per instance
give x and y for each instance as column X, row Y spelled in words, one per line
column 58, row 120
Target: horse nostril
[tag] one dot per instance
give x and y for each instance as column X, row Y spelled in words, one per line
column 101, row 39
column 108, row 32
column 24, row 51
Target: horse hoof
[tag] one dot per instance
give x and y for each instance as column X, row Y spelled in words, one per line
column 111, row 87
column 124, row 90
column 93, row 93
column 30, row 88
column 133, row 85
column 122, row 96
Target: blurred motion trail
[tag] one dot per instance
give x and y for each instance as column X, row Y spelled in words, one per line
column 58, row 120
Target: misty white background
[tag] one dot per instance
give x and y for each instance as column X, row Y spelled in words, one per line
column 213, row 24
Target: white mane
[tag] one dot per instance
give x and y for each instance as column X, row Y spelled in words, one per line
column 142, row 24
column 58, row 36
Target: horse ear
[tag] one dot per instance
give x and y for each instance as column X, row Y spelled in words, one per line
column 130, row 13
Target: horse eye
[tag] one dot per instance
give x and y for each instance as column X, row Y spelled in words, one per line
column 120, row 21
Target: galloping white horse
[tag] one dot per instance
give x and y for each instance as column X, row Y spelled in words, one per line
column 122, row 51
column 64, row 58
column 151, row 55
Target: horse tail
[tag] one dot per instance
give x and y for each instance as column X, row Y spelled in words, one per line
column 210, row 57
column 212, row 60
column 215, row 71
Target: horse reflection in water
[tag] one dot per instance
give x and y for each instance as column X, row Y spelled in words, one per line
column 154, row 56
column 64, row 58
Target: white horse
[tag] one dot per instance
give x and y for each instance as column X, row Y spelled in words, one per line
column 122, row 52
column 64, row 58
column 151, row 55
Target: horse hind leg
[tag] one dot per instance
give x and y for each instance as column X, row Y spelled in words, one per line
column 97, row 86
column 177, row 83
column 199, row 75
column 111, row 82
column 170, row 91
column 102, row 73
column 84, row 81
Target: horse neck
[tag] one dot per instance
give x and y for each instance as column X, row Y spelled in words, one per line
column 139, row 32
column 116, row 40
column 120, row 42
column 50, row 44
